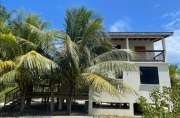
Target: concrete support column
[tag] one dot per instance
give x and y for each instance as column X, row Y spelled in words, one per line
column 127, row 46
column 164, row 48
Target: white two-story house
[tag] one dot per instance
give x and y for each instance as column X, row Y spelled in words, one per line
column 152, row 63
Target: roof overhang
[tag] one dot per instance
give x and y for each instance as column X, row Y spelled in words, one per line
column 153, row 36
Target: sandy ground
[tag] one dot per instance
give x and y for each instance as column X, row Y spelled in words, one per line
column 41, row 110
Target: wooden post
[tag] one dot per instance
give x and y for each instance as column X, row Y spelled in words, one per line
column 52, row 97
column 47, row 103
column 60, row 104
column 5, row 101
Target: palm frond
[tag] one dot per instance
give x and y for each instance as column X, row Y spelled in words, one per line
column 97, row 83
column 113, row 66
column 93, row 27
column 24, row 42
column 10, row 42
column 34, row 60
column 32, row 28
column 6, row 65
column 119, row 54
column 9, row 76
column 72, row 49
column 122, row 87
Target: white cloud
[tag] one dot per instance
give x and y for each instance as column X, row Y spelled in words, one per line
column 165, row 15
column 121, row 26
column 172, row 15
column 156, row 5
column 172, row 47
column 174, row 24
column 172, row 42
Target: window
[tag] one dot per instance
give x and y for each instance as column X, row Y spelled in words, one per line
column 119, row 75
column 118, row 46
column 108, row 105
column 149, row 75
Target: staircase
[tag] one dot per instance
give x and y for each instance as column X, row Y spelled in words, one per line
column 12, row 98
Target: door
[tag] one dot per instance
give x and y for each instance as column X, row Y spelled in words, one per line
column 141, row 54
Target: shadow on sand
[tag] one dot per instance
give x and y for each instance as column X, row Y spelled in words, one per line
column 37, row 108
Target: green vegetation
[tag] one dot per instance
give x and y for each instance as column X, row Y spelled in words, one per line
column 5, row 90
column 161, row 98
column 86, row 59
column 174, row 73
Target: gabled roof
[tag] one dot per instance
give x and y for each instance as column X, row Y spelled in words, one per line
column 153, row 36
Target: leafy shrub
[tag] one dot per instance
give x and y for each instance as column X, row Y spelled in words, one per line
column 161, row 98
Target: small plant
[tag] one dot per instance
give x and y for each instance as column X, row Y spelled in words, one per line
column 161, row 98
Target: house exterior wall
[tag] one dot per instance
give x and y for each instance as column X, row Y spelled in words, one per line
column 132, row 43
column 133, row 80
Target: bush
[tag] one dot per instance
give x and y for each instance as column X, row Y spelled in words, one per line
column 160, row 99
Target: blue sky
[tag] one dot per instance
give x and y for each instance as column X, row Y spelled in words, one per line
column 119, row 15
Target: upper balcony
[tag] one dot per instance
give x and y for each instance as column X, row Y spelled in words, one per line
column 143, row 44
column 149, row 56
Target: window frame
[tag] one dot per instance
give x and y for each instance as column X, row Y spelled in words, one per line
column 148, row 76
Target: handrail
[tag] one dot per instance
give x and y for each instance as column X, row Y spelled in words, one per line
column 159, row 54
column 11, row 90
column 149, row 50
column 149, row 55
column 12, row 95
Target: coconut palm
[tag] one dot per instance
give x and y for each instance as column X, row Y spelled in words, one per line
column 32, row 33
column 4, row 15
column 87, row 58
column 27, row 32
column 174, row 73
column 24, row 69
column 97, row 74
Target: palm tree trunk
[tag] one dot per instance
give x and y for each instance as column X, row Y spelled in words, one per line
column 70, row 101
column 29, row 88
column 22, row 99
column 52, row 97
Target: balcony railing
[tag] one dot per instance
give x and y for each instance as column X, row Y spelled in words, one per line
column 149, row 56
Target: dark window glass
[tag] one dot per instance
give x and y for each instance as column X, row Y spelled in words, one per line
column 144, row 75
column 149, row 75
column 119, row 75
column 118, row 46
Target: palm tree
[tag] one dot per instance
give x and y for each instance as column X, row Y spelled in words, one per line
column 174, row 73
column 87, row 58
column 32, row 33
column 24, row 69
column 27, row 33
column 5, row 16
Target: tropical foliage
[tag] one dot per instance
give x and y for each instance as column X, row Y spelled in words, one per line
column 161, row 99
column 174, row 73
column 19, row 63
column 86, row 58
